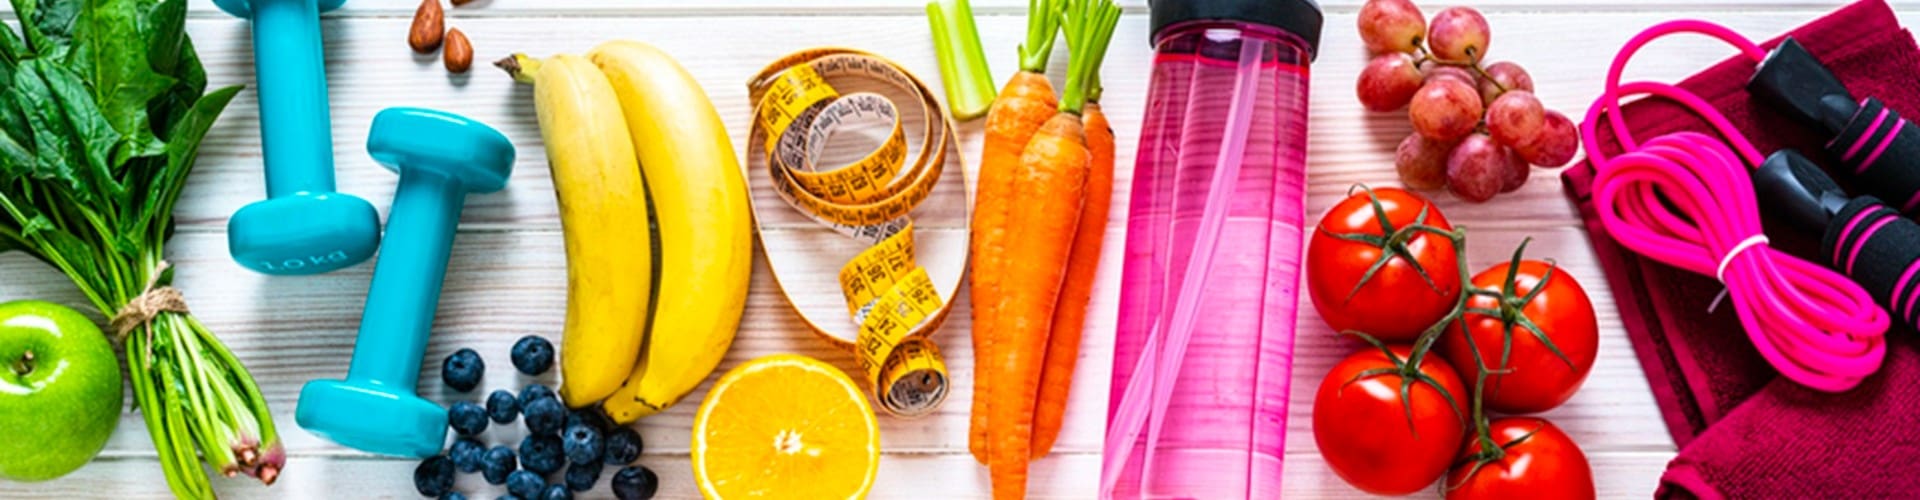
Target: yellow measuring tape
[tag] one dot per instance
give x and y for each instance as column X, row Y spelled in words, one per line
column 796, row 109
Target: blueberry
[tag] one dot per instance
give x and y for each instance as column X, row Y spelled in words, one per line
column 623, row 446
column 434, row 476
column 533, row 392
column 583, row 443
column 582, row 475
column 466, row 418
column 556, row 492
column 542, row 454
column 453, row 495
column 525, row 484
column 589, row 416
column 467, row 455
column 635, row 483
column 502, row 407
column 507, row 497
column 497, row 464
column 533, row 355
column 462, row 370
column 544, row 416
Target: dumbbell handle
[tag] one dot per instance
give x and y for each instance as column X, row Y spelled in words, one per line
column 406, row 279
column 295, row 131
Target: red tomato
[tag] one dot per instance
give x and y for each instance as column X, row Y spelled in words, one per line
column 1396, row 303
column 1363, row 430
column 1546, row 464
column 1539, row 380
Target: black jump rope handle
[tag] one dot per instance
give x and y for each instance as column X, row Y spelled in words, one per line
column 1876, row 147
column 1862, row 238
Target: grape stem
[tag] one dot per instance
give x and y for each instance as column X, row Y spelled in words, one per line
column 1477, row 69
column 1489, row 76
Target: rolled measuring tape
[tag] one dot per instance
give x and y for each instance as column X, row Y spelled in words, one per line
column 889, row 296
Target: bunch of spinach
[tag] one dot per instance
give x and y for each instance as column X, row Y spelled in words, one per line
column 102, row 115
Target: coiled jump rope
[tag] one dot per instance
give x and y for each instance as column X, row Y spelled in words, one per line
column 1688, row 200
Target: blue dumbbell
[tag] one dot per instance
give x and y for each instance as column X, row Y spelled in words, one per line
column 440, row 158
column 304, row 227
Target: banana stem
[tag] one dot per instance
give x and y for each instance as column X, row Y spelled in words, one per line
column 520, row 66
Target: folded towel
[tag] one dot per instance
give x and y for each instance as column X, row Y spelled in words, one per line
column 1744, row 432
column 1788, row 441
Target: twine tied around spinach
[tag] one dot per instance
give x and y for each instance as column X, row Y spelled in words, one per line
column 152, row 301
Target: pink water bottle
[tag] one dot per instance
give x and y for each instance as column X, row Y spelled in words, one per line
column 1214, row 236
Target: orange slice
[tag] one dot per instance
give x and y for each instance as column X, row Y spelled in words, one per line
column 785, row 426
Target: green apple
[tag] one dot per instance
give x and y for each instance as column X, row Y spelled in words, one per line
column 59, row 390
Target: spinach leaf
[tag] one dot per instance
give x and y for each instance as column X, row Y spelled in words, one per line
column 13, row 123
column 182, row 149
column 12, row 50
column 97, row 137
column 111, row 53
column 13, row 157
column 54, row 152
column 168, row 20
column 48, row 25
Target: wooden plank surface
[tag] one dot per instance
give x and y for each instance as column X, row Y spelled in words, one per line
column 507, row 274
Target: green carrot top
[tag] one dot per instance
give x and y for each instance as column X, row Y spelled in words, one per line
column 1089, row 27
column 1043, row 23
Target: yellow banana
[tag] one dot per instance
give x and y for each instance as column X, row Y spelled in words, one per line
column 603, row 215
column 706, row 226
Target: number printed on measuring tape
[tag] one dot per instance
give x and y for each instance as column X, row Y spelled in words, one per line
column 888, row 295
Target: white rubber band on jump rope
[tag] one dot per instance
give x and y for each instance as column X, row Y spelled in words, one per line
column 1750, row 242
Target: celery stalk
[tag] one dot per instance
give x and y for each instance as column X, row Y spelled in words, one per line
column 963, row 65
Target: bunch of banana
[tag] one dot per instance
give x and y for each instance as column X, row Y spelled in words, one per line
column 624, row 124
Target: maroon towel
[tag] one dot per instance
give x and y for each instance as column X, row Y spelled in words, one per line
column 1701, row 365
column 1789, row 441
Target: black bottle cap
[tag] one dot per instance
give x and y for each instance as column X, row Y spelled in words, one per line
column 1300, row 17
column 1792, row 81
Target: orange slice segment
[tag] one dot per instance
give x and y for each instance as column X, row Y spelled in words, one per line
column 785, row 426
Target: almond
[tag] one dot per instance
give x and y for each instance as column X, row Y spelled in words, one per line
column 429, row 25
column 459, row 52
column 458, row 3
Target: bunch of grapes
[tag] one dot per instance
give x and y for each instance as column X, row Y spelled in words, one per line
column 1478, row 129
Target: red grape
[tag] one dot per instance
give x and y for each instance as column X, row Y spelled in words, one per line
column 1507, row 74
column 1475, row 170
column 1458, row 34
column 1515, row 116
column 1514, row 171
column 1445, row 109
column 1391, row 26
column 1435, row 70
column 1554, row 145
column 1388, row 82
column 1422, row 162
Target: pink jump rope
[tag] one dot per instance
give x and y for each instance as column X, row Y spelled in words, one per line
column 1687, row 200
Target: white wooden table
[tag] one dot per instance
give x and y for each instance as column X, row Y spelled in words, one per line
column 507, row 274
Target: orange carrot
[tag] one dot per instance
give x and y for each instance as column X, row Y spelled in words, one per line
column 1025, row 104
column 1070, row 314
column 1051, row 186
